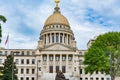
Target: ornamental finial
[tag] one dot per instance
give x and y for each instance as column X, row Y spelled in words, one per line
column 57, row 2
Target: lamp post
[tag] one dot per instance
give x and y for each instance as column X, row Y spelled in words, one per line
column 13, row 66
column 37, row 68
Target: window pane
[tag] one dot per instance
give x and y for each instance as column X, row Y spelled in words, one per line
column 27, row 71
column 33, row 61
column 51, row 69
column 22, row 71
column 63, row 57
column 51, row 57
column 0, row 61
column 33, row 71
column 22, row 61
column 27, row 61
column 57, row 69
column 56, row 37
column 57, row 57
column 63, row 69
column 17, row 61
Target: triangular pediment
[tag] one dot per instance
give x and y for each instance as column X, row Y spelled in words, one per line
column 58, row 47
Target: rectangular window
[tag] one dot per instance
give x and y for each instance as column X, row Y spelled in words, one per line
column 22, row 61
column 21, row 78
column 65, row 39
column 91, row 78
column 22, row 53
column 102, row 78
column 33, row 71
column 56, row 38
column 17, row 53
column 27, row 78
column 27, row 61
column 57, row 57
column 17, row 61
column 28, row 53
column 97, row 78
column 57, row 69
column 6, row 52
column 60, row 39
column 45, row 40
column 52, row 38
column 44, row 57
column 96, row 72
column 22, row 71
column 51, row 69
column 70, row 57
column 80, row 62
column 63, row 69
column 108, row 78
column 33, row 78
column 86, row 78
column 0, row 61
column 80, row 71
column 51, row 57
column 63, row 57
column 33, row 61
column 74, row 68
column 80, row 78
column 0, row 52
column 27, row 71
column 80, row 53
column 33, row 53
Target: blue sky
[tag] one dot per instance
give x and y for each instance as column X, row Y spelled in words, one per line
column 87, row 18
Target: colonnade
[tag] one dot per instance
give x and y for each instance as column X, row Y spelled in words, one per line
column 63, row 38
column 56, row 60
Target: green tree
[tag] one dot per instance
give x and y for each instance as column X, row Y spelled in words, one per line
column 8, row 69
column 3, row 19
column 104, row 55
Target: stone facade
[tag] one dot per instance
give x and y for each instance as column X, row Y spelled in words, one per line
column 56, row 51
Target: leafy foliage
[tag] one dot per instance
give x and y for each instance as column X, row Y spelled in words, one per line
column 3, row 19
column 98, row 56
column 7, row 69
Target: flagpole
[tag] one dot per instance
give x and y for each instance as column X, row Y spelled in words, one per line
column 7, row 43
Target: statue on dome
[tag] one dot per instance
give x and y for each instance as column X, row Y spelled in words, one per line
column 57, row 2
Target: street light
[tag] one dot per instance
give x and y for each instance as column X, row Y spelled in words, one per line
column 13, row 64
column 37, row 68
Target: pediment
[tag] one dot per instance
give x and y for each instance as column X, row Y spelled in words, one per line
column 58, row 47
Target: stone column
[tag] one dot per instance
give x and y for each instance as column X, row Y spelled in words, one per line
column 47, row 38
column 47, row 62
column 67, row 39
column 54, row 37
column 63, row 38
column 54, row 63
column 50, row 38
column 61, row 62
column 59, row 38
column 67, row 63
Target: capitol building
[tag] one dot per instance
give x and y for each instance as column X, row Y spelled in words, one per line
column 56, row 50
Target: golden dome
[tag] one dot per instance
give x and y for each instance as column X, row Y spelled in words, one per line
column 57, row 18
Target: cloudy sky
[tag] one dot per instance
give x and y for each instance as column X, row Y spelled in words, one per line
column 87, row 18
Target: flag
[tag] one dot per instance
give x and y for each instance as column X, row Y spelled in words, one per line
column 7, row 39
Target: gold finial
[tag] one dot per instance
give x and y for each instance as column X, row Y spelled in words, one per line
column 57, row 2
